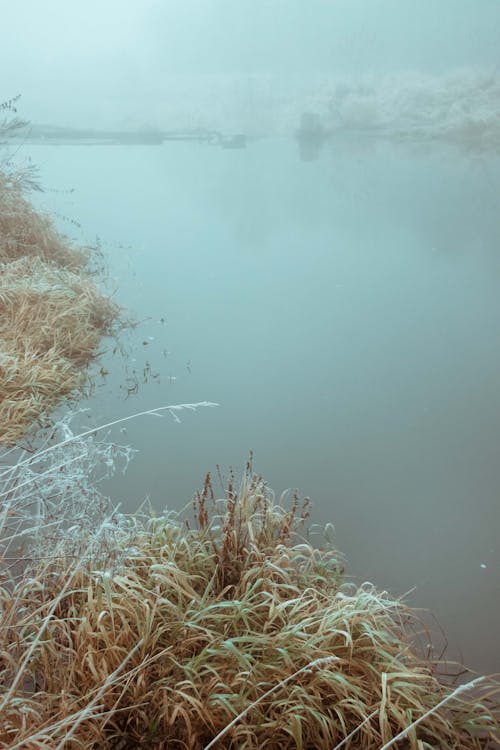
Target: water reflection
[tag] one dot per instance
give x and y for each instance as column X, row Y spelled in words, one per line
column 311, row 136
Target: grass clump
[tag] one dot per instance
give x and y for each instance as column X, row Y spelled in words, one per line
column 234, row 633
column 52, row 314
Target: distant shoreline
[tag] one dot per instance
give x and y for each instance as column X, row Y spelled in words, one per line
column 62, row 136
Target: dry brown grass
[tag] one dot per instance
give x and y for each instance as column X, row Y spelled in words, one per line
column 52, row 315
column 236, row 620
column 26, row 232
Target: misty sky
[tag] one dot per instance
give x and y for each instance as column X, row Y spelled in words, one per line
column 106, row 61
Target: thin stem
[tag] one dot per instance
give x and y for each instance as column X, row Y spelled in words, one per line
column 459, row 689
column 157, row 410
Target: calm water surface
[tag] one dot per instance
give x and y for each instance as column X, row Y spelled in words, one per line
column 345, row 313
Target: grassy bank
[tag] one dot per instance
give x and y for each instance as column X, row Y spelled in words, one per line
column 52, row 315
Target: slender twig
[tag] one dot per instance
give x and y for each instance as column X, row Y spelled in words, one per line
column 156, row 411
column 355, row 730
column 459, row 689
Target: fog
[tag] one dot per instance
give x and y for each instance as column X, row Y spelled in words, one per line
column 112, row 63
column 325, row 264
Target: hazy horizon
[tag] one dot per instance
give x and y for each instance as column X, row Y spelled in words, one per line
column 144, row 63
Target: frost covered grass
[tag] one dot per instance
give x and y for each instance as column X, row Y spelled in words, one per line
column 52, row 315
column 460, row 107
column 231, row 631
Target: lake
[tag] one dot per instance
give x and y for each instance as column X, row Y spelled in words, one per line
column 343, row 308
